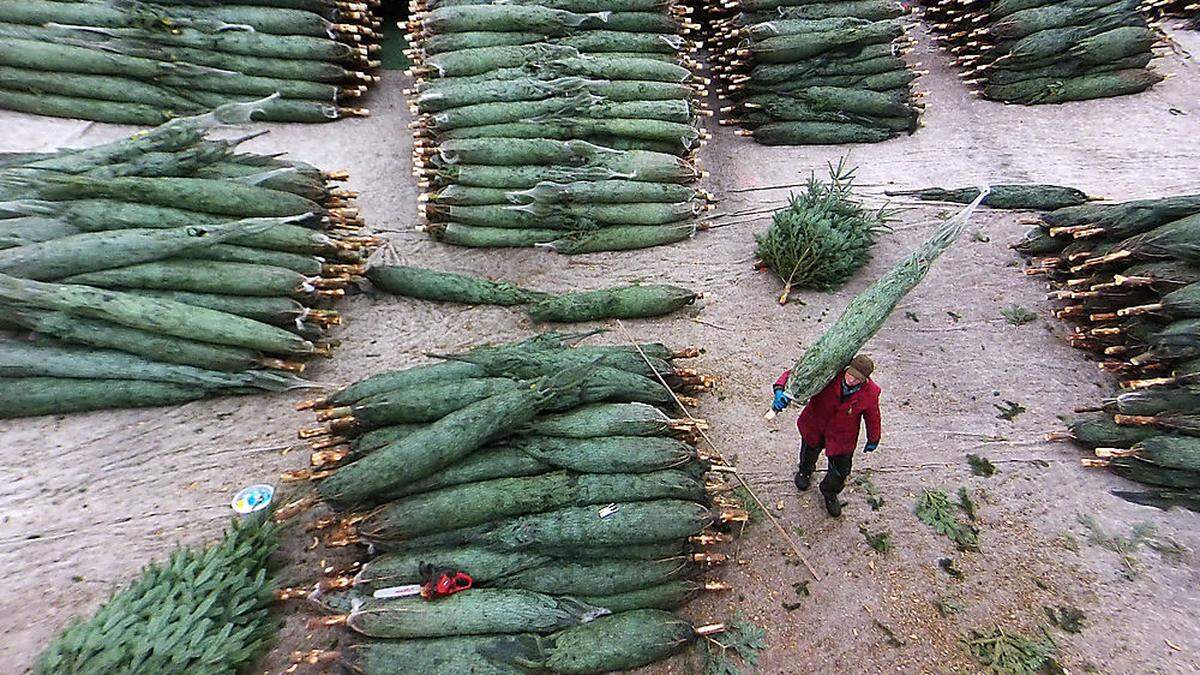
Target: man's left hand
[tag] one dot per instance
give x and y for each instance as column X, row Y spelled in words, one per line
column 870, row 447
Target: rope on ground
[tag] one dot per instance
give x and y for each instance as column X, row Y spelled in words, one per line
column 749, row 490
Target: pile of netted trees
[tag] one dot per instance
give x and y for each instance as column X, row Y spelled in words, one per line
column 1129, row 274
column 811, row 72
column 1046, row 51
column 1180, row 9
column 568, row 124
column 166, row 267
column 528, row 505
column 132, row 62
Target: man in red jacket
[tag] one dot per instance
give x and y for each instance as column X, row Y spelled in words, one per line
column 830, row 422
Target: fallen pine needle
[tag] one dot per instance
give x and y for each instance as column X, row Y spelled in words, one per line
column 709, row 323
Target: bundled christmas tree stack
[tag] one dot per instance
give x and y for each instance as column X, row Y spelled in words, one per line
column 1045, row 51
column 1188, row 10
column 567, row 124
column 166, row 267
column 799, row 72
column 527, row 505
column 132, row 62
column 1129, row 277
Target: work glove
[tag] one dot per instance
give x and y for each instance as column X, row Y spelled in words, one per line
column 870, row 447
column 781, row 400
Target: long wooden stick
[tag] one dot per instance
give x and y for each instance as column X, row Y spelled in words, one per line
column 784, row 186
column 749, row 490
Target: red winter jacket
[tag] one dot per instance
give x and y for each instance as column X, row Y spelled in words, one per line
column 828, row 421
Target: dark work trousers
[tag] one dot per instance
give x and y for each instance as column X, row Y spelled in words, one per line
column 839, row 469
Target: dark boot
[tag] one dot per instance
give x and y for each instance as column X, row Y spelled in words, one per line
column 834, row 481
column 802, row 480
column 808, row 464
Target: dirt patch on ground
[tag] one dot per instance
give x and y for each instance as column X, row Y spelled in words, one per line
column 89, row 499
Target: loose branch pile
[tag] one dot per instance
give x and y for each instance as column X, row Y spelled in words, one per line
column 867, row 312
column 1005, row 651
column 620, row 302
column 166, row 267
column 823, row 236
column 131, row 62
column 567, row 124
column 804, row 72
column 1130, row 275
column 1046, row 51
column 203, row 611
column 578, row 509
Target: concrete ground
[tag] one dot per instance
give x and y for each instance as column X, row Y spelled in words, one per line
column 89, row 499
